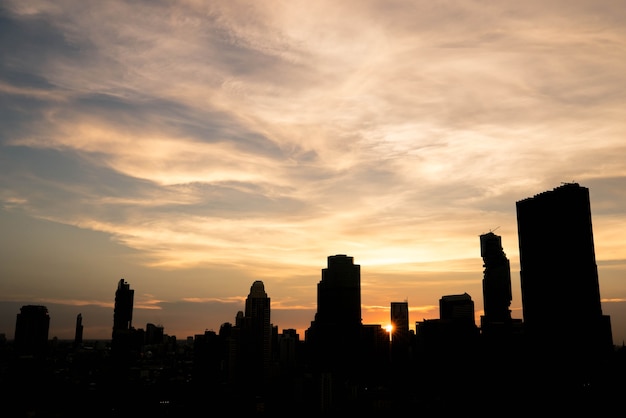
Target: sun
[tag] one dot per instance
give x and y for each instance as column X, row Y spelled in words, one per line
column 389, row 328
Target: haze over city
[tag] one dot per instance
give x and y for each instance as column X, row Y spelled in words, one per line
column 192, row 148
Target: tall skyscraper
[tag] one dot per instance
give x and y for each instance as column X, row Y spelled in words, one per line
column 339, row 294
column 78, row 332
column 400, row 334
column 122, row 318
column 258, row 332
column 497, row 294
column 31, row 330
column 400, row 321
column 335, row 332
column 334, row 339
column 559, row 275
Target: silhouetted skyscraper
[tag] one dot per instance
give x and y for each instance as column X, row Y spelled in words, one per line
column 497, row 294
column 78, row 333
column 334, row 334
column 122, row 318
column 339, row 294
column 31, row 330
column 258, row 332
column 559, row 276
column 400, row 335
column 334, row 339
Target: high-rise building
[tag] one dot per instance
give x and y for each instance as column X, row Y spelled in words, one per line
column 457, row 308
column 339, row 294
column 558, row 271
column 335, row 332
column 154, row 334
column 400, row 334
column 31, row 330
column 258, row 332
column 122, row 318
column 497, row 293
column 449, row 342
column 287, row 349
column 400, row 321
column 78, row 332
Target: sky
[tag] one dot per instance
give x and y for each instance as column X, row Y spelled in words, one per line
column 194, row 147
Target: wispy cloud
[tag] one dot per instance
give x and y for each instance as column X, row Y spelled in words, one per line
column 613, row 300
column 73, row 302
column 237, row 300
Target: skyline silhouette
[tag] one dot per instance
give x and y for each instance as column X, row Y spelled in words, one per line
column 563, row 267
column 342, row 364
column 567, row 245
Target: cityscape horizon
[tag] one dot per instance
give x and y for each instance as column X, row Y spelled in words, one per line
column 385, row 323
column 342, row 364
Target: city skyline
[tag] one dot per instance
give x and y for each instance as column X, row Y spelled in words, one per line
column 123, row 320
column 192, row 149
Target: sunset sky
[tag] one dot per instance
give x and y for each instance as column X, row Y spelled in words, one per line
column 193, row 147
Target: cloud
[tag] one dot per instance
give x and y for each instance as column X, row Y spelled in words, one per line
column 614, row 300
column 237, row 300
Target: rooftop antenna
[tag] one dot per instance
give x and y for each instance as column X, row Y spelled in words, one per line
column 491, row 230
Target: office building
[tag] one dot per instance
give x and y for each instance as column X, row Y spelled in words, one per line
column 335, row 332
column 257, row 332
column 497, row 323
column 558, row 271
column 31, row 330
column 457, row 308
column 400, row 333
column 78, row 332
column 155, row 334
column 122, row 319
column 339, row 294
column 496, row 280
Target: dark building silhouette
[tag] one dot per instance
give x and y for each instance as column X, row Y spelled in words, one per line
column 207, row 358
column 122, row 337
column 287, row 349
column 31, row 330
column 454, row 330
column 375, row 352
column 496, row 323
column 457, row 308
column 400, row 333
column 78, row 333
column 154, row 334
column 335, row 332
column 501, row 345
column 257, row 334
column 339, row 294
column 559, row 275
column 447, row 346
column 400, row 322
column 496, row 281
column 334, row 337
